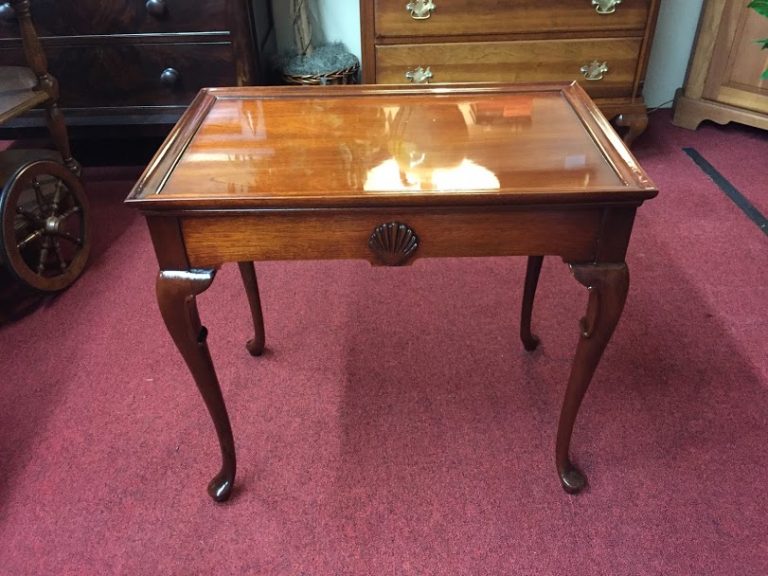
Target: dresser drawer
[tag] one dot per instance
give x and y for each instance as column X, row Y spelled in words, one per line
column 526, row 61
column 96, row 17
column 470, row 17
column 130, row 75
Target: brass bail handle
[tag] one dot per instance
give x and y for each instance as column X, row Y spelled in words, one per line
column 594, row 70
column 420, row 9
column 419, row 75
column 605, row 6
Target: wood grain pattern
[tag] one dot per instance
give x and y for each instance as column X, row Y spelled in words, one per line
column 88, row 72
column 521, row 61
column 723, row 83
column 709, row 23
column 314, row 235
column 283, row 173
column 493, row 144
column 461, row 17
column 517, row 41
column 109, row 55
column 97, row 17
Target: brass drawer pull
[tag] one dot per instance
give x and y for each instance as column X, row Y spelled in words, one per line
column 419, row 75
column 605, row 6
column 156, row 8
column 594, row 70
column 420, row 9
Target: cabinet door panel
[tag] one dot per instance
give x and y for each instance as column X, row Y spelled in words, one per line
column 736, row 69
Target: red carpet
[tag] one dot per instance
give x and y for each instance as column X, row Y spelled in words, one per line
column 396, row 425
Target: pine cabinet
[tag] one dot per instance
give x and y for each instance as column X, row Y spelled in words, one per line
column 724, row 77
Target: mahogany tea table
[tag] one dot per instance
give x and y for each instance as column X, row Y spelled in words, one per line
column 389, row 174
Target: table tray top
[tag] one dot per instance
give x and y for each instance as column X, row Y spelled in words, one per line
column 370, row 146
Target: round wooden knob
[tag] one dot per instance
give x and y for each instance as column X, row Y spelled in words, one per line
column 169, row 77
column 156, row 8
column 6, row 12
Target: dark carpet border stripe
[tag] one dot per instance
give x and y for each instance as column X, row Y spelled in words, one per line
column 730, row 190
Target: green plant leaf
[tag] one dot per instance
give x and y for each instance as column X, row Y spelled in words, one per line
column 764, row 42
column 764, row 75
column 759, row 6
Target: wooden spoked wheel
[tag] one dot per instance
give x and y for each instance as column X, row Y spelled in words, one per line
column 44, row 229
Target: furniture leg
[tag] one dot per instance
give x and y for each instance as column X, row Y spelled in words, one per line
column 247, row 271
column 607, row 285
column 635, row 122
column 58, row 129
column 176, row 292
column 532, row 271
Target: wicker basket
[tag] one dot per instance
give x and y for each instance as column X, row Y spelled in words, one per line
column 327, row 64
column 344, row 76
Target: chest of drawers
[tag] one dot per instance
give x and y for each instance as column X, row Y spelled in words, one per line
column 602, row 44
column 142, row 61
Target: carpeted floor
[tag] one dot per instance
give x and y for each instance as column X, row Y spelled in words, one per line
column 396, row 425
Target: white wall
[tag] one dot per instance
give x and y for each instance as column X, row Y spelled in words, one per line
column 672, row 44
column 339, row 21
column 332, row 21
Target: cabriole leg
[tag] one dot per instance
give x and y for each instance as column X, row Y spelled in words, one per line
column 176, row 292
column 248, row 273
column 530, row 342
column 607, row 285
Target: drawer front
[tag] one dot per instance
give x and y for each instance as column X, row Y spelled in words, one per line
column 452, row 17
column 303, row 235
column 525, row 61
column 94, row 17
column 132, row 75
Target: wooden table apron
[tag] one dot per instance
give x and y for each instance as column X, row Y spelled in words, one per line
column 191, row 242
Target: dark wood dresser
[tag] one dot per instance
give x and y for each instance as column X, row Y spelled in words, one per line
column 603, row 44
column 142, row 61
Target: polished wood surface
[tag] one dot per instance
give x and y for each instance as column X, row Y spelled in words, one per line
column 373, row 147
column 465, row 17
column 142, row 62
column 176, row 292
column 532, row 273
column 151, row 74
column 97, row 17
column 516, row 61
column 724, row 77
column 391, row 174
column 255, row 345
column 517, row 41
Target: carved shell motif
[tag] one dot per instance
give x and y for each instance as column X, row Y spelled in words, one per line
column 394, row 243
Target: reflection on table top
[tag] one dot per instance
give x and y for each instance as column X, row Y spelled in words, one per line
column 272, row 147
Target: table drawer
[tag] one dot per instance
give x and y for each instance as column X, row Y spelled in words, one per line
column 308, row 235
column 132, row 74
column 525, row 61
column 95, row 17
column 468, row 17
